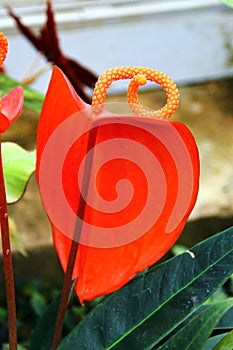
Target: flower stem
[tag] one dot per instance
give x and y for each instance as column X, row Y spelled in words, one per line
column 7, row 262
column 67, row 282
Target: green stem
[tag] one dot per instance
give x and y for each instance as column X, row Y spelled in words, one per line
column 67, row 282
column 7, row 262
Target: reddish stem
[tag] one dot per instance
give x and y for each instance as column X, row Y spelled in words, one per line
column 67, row 282
column 7, row 262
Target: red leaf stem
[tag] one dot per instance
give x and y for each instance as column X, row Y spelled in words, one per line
column 67, row 282
column 7, row 262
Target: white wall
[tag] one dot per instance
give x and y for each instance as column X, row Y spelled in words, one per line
column 192, row 41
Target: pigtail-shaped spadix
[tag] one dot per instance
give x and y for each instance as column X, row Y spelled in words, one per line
column 139, row 77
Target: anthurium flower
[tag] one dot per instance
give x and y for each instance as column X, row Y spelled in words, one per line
column 129, row 181
column 11, row 104
column 11, row 107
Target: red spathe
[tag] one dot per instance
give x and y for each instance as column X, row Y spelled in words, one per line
column 102, row 266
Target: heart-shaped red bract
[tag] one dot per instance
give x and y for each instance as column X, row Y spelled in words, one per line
column 112, row 249
column 11, row 106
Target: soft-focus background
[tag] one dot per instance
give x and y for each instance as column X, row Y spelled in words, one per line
column 190, row 40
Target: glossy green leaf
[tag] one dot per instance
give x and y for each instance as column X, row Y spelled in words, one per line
column 146, row 310
column 18, row 165
column 32, row 99
column 212, row 341
column 195, row 333
column 226, row 343
column 226, row 321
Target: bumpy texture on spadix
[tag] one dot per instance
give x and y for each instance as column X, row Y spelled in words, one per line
column 3, row 48
column 139, row 77
column 144, row 143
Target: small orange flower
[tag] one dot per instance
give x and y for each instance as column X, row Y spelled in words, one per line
column 11, row 104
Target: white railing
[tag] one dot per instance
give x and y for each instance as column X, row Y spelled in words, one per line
column 86, row 13
column 191, row 40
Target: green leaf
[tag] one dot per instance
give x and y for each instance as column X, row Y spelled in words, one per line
column 19, row 347
column 195, row 333
column 178, row 249
column 18, row 165
column 228, row 2
column 42, row 335
column 146, row 310
column 15, row 237
column 226, row 343
column 38, row 303
column 212, row 341
column 226, row 321
column 32, row 99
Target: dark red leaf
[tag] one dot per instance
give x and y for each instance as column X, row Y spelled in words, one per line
column 47, row 42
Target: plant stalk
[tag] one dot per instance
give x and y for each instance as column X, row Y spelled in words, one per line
column 7, row 261
column 67, row 282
